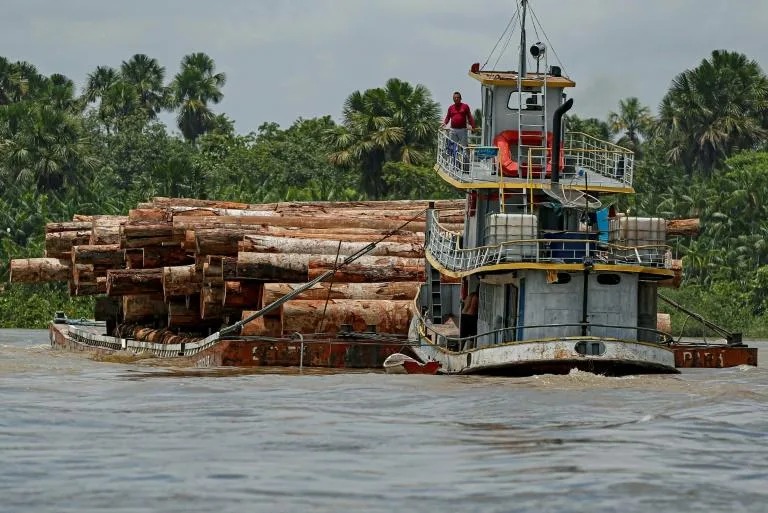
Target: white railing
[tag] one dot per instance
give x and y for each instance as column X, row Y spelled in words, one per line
column 466, row 163
column 581, row 152
column 584, row 152
column 556, row 247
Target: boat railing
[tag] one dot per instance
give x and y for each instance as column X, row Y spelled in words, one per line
column 585, row 152
column 471, row 163
column 556, row 247
column 476, row 163
column 516, row 334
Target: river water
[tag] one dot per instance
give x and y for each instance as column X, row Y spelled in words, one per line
column 80, row 435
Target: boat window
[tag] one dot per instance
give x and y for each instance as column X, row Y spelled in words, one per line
column 529, row 101
column 608, row 279
column 589, row 348
column 562, row 278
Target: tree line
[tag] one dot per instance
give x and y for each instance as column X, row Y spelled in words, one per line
column 102, row 150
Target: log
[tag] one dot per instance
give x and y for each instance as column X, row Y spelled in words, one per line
column 226, row 239
column 166, row 255
column 159, row 336
column 144, row 307
column 83, row 274
column 324, row 222
column 268, row 267
column 148, row 214
column 127, row 282
column 376, row 204
column 664, row 322
column 68, row 226
column 267, row 244
column 134, row 258
column 138, row 234
column 677, row 279
column 59, row 244
column 391, row 204
column 182, row 280
column 267, row 326
column 404, row 290
column 241, row 295
column 683, row 227
column 89, row 289
column 296, row 268
column 445, row 216
column 102, row 257
column 213, row 270
column 369, row 269
column 106, row 229
column 181, row 315
column 163, row 202
column 39, row 270
column 186, row 315
column 188, row 224
column 311, row 316
column 212, row 301
column 229, row 268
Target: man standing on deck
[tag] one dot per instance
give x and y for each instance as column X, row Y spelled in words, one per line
column 459, row 114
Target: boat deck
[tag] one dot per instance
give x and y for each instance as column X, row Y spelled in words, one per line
column 590, row 164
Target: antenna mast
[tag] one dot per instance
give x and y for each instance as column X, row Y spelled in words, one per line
column 522, row 39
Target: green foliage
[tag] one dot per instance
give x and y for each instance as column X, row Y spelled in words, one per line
column 105, row 151
column 33, row 306
column 194, row 87
column 713, row 110
column 631, row 123
column 406, row 181
column 591, row 126
column 395, row 123
column 724, row 304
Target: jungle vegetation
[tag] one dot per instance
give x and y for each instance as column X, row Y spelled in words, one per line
column 102, row 150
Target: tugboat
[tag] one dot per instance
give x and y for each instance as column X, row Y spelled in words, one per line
column 533, row 272
column 552, row 279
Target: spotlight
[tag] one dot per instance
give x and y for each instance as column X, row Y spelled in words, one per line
column 537, row 50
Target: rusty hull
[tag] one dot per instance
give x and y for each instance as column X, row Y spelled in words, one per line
column 713, row 357
column 338, row 353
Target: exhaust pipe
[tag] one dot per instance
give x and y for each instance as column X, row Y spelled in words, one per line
column 557, row 128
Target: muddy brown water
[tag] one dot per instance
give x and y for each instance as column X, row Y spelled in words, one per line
column 80, row 435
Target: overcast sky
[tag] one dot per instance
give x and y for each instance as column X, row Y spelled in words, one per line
column 286, row 59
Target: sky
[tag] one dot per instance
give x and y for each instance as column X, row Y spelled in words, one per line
column 286, row 59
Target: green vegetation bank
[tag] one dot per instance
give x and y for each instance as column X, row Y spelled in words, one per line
column 102, row 150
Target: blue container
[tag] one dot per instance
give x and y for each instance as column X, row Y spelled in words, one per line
column 574, row 246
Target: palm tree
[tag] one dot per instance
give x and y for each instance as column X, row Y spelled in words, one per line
column 713, row 110
column 44, row 145
column 194, row 87
column 17, row 80
column 99, row 82
column 412, row 109
column 363, row 138
column 61, row 93
column 146, row 76
column 590, row 126
column 632, row 121
column 394, row 123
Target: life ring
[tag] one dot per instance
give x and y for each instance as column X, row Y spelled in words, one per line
column 509, row 167
column 503, row 141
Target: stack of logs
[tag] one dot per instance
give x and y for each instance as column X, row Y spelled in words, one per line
column 192, row 266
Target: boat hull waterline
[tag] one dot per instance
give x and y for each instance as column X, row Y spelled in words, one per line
column 619, row 358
